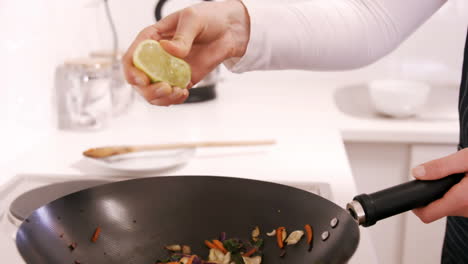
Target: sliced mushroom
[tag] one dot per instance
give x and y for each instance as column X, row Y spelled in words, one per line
column 253, row 260
column 227, row 258
column 272, row 233
column 186, row 250
column 294, row 237
column 216, row 255
column 184, row 260
column 173, row 247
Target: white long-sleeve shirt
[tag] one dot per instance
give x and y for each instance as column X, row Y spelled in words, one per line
column 328, row 34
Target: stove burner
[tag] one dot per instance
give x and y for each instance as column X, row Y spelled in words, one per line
column 26, row 203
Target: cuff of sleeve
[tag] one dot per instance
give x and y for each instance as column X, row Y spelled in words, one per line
column 255, row 56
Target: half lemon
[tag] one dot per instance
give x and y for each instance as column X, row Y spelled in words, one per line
column 160, row 66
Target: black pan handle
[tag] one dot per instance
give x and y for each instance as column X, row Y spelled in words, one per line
column 158, row 9
column 367, row 209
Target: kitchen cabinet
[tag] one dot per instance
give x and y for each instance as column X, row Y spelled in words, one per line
column 376, row 166
column 423, row 242
column 403, row 238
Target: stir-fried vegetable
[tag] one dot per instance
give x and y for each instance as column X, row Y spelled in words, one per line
column 255, row 234
column 222, row 236
column 210, row 244
column 250, row 252
column 186, row 250
column 222, row 251
column 280, row 236
column 272, row 233
column 96, row 233
column 310, row 234
column 220, row 246
column 173, row 248
column 294, row 237
column 236, row 251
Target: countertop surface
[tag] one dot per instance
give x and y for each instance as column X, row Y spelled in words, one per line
column 301, row 116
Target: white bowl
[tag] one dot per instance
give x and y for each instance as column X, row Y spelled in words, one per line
column 398, row 98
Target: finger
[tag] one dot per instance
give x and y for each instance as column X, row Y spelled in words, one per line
column 155, row 91
column 168, row 23
column 449, row 204
column 176, row 97
column 135, row 76
column 132, row 74
column 188, row 27
column 203, row 60
column 190, row 85
column 439, row 168
column 184, row 95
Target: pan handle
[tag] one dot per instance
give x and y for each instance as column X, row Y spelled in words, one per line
column 367, row 209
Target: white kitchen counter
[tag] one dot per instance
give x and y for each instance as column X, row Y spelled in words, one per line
column 313, row 95
column 300, row 115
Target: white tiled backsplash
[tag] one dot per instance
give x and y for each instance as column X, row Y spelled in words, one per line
column 37, row 35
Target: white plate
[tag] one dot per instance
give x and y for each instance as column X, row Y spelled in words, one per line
column 146, row 161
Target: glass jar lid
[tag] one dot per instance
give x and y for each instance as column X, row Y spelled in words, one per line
column 89, row 63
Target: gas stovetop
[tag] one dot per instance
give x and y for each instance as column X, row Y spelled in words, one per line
column 27, row 192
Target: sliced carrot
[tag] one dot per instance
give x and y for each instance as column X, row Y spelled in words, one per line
column 191, row 259
column 220, row 246
column 279, row 236
column 308, row 229
column 250, row 252
column 209, row 244
column 96, row 234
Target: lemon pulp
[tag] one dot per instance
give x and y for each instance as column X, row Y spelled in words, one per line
column 160, row 66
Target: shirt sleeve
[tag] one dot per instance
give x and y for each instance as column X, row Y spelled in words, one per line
column 328, row 34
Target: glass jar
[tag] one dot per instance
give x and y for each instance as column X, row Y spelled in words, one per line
column 122, row 93
column 83, row 97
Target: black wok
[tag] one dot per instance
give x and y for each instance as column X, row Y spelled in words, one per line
column 138, row 217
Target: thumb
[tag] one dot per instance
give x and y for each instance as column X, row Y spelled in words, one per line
column 188, row 28
column 440, row 168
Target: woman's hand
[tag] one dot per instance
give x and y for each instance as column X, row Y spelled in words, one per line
column 455, row 201
column 204, row 35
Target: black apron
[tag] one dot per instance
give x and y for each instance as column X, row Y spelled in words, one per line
column 456, row 235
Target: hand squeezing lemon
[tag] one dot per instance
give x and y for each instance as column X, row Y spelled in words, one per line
column 160, row 66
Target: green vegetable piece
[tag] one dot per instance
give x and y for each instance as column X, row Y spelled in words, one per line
column 258, row 243
column 232, row 245
column 175, row 258
column 237, row 258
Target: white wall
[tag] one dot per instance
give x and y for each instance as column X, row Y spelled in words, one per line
column 436, row 47
column 37, row 35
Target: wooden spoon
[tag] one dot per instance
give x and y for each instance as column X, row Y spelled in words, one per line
column 104, row 152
